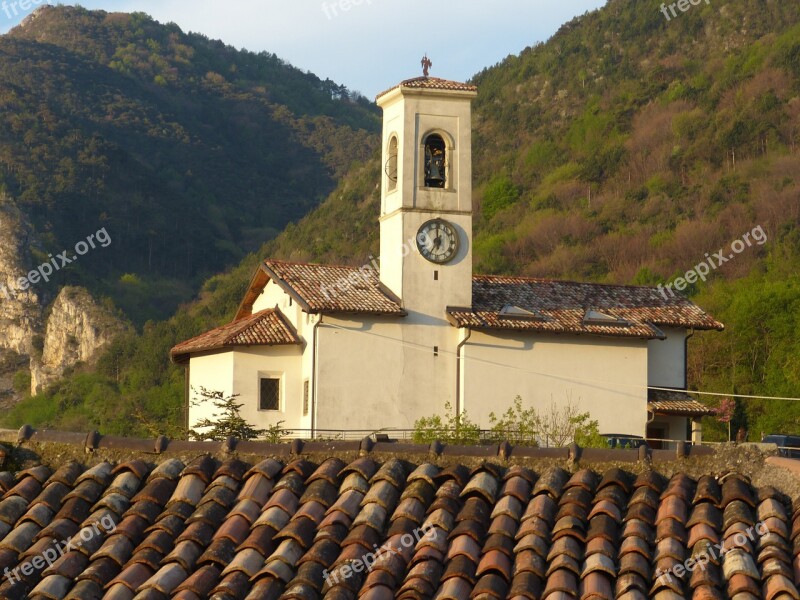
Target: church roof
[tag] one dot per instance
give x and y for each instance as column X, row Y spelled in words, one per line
column 264, row 328
column 326, row 289
column 432, row 83
column 388, row 523
column 498, row 302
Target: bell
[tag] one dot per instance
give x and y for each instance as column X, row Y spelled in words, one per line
column 435, row 179
column 435, row 171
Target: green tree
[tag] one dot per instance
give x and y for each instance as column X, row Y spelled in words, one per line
column 500, row 193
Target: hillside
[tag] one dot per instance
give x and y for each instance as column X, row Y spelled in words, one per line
column 189, row 152
column 624, row 149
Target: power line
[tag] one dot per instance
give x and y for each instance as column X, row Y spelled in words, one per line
column 573, row 379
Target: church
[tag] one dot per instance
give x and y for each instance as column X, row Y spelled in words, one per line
column 327, row 348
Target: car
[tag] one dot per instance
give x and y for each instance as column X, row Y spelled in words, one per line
column 788, row 445
column 624, row 440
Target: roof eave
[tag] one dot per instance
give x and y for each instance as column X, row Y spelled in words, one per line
column 717, row 326
column 483, row 327
column 184, row 357
column 254, row 289
column 375, row 313
column 392, row 94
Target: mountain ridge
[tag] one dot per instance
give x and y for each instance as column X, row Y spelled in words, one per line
column 188, row 152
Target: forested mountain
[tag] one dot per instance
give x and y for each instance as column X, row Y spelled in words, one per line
column 189, row 152
column 624, row 149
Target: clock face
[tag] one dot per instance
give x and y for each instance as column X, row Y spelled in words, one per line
column 437, row 241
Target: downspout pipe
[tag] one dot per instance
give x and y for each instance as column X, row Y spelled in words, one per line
column 686, row 359
column 315, row 375
column 459, row 360
column 187, row 384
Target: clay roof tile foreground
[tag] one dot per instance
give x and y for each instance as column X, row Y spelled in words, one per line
column 377, row 526
column 264, row 328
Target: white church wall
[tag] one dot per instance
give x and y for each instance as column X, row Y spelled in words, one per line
column 383, row 372
column 273, row 296
column 606, row 377
column 213, row 371
column 283, row 362
column 665, row 359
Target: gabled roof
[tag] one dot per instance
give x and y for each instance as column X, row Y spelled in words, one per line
column 676, row 403
column 325, row 289
column 563, row 306
column 194, row 526
column 265, row 328
column 431, row 83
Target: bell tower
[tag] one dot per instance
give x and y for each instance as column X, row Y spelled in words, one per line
column 426, row 193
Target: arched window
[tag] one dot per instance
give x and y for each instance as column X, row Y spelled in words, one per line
column 435, row 161
column 391, row 164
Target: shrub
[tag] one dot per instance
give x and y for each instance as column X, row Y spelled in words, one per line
column 500, row 193
column 452, row 429
column 229, row 423
column 519, row 425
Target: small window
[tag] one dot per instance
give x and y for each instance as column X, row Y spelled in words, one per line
column 270, row 398
column 435, row 162
column 391, row 164
column 305, row 397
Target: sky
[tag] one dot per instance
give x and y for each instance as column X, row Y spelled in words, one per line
column 367, row 45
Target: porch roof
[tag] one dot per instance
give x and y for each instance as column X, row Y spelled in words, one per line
column 677, row 403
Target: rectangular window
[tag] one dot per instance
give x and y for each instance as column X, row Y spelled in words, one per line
column 305, row 397
column 270, row 397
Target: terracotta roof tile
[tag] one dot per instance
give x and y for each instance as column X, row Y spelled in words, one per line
column 561, row 307
column 431, row 83
column 265, row 328
column 334, row 288
column 676, row 403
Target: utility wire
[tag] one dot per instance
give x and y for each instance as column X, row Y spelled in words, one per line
column 569, row 378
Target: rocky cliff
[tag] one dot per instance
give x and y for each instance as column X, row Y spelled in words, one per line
column 36, row 343
column 20, row 310
column 77, row 330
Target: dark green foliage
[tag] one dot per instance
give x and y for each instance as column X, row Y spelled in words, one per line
column 500, row 193
column 189, row 152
